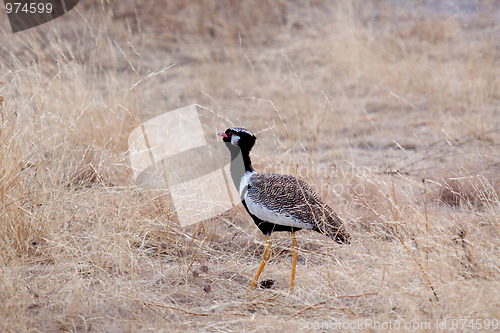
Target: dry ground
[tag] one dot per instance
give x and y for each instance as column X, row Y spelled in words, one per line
column 392, row 112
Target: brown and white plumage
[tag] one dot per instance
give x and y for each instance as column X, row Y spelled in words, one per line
column 290, row 202
column 278, row 202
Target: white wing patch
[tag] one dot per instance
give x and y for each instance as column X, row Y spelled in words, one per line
column 268, row 215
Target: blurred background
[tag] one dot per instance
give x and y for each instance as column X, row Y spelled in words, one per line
column 391, row 109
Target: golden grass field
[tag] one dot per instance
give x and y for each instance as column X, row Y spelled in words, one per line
column 391, row 111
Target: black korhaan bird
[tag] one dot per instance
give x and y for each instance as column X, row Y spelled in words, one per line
column 278, row 202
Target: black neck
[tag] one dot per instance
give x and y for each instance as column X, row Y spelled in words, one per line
column 240, row 164
column 246, row 161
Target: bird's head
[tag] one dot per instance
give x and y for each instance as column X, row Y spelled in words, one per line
column 239, row 137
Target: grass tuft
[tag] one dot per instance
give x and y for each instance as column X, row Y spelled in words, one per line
column 389, row 111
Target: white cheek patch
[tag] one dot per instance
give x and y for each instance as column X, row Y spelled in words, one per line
column 234, row 140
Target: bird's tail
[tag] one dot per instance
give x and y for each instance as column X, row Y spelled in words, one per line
column 340, row 235
column 332, row 226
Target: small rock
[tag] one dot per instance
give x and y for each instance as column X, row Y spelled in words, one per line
column 207, row 288
column 267, row 284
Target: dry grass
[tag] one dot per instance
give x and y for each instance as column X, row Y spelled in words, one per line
column 393, row 114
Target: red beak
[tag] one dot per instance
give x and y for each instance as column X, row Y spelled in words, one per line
column 223, row 134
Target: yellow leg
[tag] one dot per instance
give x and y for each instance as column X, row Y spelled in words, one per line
column 294, row 259
column 267, row 255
